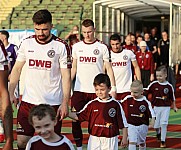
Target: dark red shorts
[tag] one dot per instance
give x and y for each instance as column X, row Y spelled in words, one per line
column 80, row 99
column 23, row 126
column 121, row 96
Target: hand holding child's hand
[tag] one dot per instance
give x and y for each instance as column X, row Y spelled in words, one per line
column 175, row 109
column 124, row 143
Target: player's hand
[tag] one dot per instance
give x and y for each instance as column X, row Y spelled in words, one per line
column 175, row 109
column 150, row 126
column 113, row 94
column 124, row 143
column 14, row 100
column 8, row 145
column 62, row 111
column 152, row 77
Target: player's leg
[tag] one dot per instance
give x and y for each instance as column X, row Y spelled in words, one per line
column 77, row 103
column 143, row 130
column 94, row 143
column 157, row 123
column 24, row 130
column 164, row 122
column 132, row 137
column 109, row 143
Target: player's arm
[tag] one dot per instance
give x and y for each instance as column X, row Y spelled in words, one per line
column 15, row 75
column 137, row 70
column 124, row 142
column 66, row 86
column 152, row 122
column 109, row 70
column 154, row 49
column 6, row 110
column 159, row 42
column 174, row 106
column 73, row 69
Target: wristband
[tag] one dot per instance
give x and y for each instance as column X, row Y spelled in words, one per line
column 113, row 89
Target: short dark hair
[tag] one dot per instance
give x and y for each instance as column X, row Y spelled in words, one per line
column 40, row 111
column 42, row 16
column 4, row 32
column 115, row 37
column 162, row 68
column 88, row 23
column 102, row 78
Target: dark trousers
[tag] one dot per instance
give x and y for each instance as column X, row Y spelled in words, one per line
column 145, row 77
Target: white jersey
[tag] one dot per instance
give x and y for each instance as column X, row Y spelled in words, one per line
column 37, row 142
column 90, row 60
column 121, row 64
column 3, row 57
column 43, row 74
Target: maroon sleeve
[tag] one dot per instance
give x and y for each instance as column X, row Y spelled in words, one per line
column 84, row 114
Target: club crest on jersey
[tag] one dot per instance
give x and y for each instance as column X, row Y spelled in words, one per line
column 125, row 57
column 96, row 52
column 166, row 90
column 51, row 53
column 147, row 55
column 112, row 112
column 142, row 108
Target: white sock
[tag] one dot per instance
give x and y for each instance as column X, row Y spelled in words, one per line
column 79, row 148
column 163, row 132
column 132, row 147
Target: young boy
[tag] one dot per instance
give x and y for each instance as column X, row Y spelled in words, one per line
column 162, row 98
column 105, row 117
column 146, row 64
column 43, row 118
column 138, row 110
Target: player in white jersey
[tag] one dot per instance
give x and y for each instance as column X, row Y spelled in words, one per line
column 43, row 119
column 47, row 77
column 122, row 59
column 5, row 105
column 90, row 57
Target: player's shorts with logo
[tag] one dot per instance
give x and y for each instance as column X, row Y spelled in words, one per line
column 23, row 126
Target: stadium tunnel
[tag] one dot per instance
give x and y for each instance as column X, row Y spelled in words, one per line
column 124, row 16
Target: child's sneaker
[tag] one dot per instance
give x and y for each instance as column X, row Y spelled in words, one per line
column 158, row 137
column 162, row 144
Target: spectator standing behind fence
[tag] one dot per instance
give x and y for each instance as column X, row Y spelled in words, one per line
column 47, row 77
column 5, row 104
column 138, row 110
column 146, row 64
column 162, row 98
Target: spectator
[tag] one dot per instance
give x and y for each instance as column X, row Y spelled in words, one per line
column 146, row 64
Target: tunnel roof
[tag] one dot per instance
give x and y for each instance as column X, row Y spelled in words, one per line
column 141, row 8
